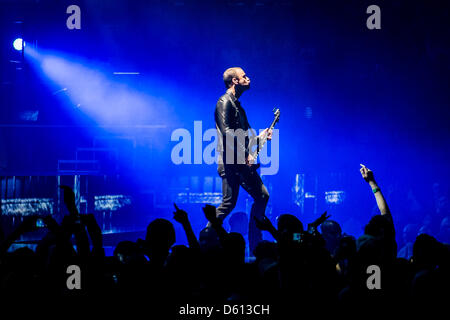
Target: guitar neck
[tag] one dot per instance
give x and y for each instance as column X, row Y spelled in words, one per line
column 263, row 141
column 273, row 124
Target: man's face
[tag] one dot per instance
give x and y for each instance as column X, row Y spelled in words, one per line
column 243, row 80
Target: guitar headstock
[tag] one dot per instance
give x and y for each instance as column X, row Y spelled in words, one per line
column 276, row 112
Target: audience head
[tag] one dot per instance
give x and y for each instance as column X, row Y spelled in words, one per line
column 332, row 232
column 379, row 226
column 288, row 225
column 160, row 234
column 346, row 248
column 425, row 251
column 234, row 247
column 331, row 229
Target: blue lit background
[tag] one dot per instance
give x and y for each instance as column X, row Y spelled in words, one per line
column 348, row 95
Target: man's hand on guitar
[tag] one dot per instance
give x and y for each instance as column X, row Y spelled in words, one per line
column 268, row 132
column 250, row 160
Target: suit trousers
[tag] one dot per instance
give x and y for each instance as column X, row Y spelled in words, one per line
column 250, row 181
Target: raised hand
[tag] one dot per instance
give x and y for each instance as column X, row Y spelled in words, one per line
column 250, row 160
column 69, row 199
column 210, row 213
column 27, row 225
column 95, row 233
column 320, row 220
column 366, row 173
column 266, row 132
column 180, row 215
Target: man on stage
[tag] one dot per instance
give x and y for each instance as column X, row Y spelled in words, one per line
column 234, row 161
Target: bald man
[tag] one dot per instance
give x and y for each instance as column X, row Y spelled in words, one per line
column 235, row 162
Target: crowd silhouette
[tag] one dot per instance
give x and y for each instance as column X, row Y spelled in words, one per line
column 307, row 265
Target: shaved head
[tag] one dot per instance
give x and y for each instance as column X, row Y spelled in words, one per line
column 229, row 74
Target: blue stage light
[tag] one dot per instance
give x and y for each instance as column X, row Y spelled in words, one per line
column 18, row 44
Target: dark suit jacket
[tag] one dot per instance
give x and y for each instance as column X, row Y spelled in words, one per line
column 232, row 143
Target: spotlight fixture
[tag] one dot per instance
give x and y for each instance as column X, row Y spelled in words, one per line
column 18, row 44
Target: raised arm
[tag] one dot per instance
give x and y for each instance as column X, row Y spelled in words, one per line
column 312, row 227
column 264, row 224
column 69, row 199
column 29, row 224
column 95, row 233
column 182, row 217
column 367, row 174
